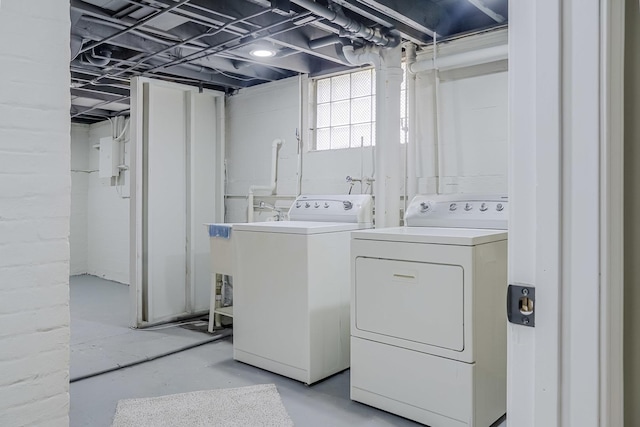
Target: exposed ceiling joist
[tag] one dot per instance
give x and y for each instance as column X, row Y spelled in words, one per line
column 209, row 43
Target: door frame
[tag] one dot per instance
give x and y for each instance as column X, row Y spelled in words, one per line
column 565, row 235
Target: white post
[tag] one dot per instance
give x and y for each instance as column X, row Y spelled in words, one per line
column 388, row 170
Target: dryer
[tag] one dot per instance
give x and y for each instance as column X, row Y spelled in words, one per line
column 291, row 287
column 428, row 317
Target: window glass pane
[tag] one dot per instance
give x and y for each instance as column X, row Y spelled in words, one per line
column 361, row 134
column 373, row 134
column 361, row 110
column 340, row 87
column 403, row 85
column 340, row 137
column 361, row 83
column 373, row 81
column 340, row 113
column 323, row 139
column 323, row 91
column 323, row 118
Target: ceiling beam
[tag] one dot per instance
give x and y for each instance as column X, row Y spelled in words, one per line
column 294, row 39
column 102, row 94
column 79, row 111
column 424, row 15
column 482, row 6
column 416, row 33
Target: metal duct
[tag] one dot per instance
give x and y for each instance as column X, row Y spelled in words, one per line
column 373, row 35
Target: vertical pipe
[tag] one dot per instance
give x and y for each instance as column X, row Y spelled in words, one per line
column 411, row 188
column 388, row 168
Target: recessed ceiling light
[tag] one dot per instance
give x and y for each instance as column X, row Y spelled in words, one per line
column 263, row 53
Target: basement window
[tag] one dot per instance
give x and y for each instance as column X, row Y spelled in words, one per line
column 345, row 111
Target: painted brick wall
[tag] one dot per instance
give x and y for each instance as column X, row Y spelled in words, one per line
column 34, row 212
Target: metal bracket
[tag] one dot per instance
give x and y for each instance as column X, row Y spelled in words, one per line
column 521, row 305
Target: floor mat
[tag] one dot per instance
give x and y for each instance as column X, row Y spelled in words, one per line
column 251, row 406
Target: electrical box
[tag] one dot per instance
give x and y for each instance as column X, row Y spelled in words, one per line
column 109, row 158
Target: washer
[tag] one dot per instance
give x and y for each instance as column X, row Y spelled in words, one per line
column 428, row 316
column 291, row 287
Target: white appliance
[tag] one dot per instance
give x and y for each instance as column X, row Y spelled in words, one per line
column 291, row 287
column 428, row 316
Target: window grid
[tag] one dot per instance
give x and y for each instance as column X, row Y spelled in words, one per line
column 345, row 111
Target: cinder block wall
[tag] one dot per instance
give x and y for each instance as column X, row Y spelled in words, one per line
column 34, row 212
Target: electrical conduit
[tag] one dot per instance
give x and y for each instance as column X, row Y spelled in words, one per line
column 270, row 189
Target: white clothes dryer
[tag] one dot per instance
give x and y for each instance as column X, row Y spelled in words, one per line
column 291, row 287
column 428, row 316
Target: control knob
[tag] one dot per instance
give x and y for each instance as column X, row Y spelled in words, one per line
column 483, row 207
column 453, row 207
column 425, row 207
column 499, row 207
column 347, row 205
column 468, row 207
column 307, row 205
column 316, row 205
column 326, row 204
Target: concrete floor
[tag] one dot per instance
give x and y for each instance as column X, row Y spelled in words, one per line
column 100, row 333
column 210, row 366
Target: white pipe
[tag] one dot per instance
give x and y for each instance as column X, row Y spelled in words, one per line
column 299, row 138
column 412, row 140
column 466, row 59
column 388, row 63
column 271, row 188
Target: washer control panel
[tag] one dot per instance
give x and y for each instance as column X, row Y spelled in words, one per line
column 458, row 211
column 352, row 208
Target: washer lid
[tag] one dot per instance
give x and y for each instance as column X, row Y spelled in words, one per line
column 434, row 235
column 297, row 227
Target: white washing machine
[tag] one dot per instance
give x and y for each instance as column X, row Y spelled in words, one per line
column 428, row 316
column 291, row 287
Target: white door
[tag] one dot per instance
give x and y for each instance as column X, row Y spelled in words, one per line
column 177, row 182
column 565, row 66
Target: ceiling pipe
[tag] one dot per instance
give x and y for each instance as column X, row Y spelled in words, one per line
column 100, row 58
column 465, row 59
column 325, row 41
column 373, row 35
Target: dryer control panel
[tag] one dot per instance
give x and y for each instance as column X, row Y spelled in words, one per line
column 458, row 211
column 351, row 208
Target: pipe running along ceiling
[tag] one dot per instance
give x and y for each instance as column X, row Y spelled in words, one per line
column 212, row 43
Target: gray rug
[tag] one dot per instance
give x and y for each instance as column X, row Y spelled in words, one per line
column 258, row 405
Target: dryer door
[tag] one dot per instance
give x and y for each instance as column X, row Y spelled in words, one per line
column 415, row 301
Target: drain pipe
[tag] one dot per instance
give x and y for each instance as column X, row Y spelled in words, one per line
column 271, row 189
column 388, row 64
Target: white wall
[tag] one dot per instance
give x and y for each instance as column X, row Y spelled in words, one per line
column 473, row 117
column 100, row 212
column 35, row 203
column 107, row 217
column 78, row 242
